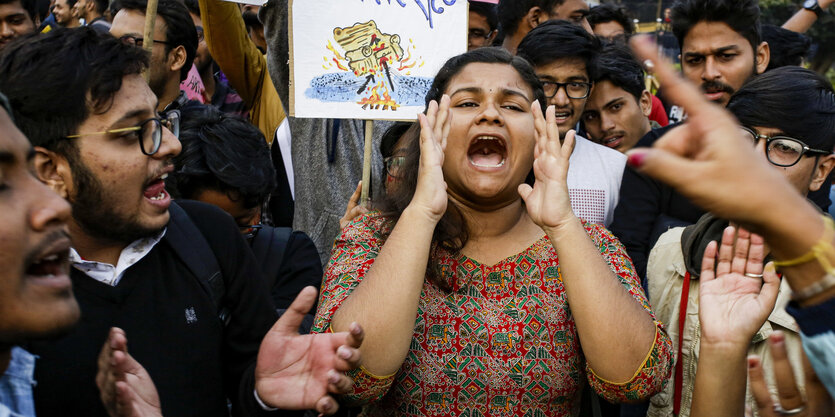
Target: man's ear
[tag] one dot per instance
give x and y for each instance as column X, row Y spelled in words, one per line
column 763, row 53
column 177, row 58
column 822, row 172
column 534, row 17
column 491, row 37
column 54, row 171
column 646, row 103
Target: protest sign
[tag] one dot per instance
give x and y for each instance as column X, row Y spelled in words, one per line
column 370, row 59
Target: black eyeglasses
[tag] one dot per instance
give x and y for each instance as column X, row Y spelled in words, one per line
column 138, row 40
column 249, row 232
column 148, row 132
column 782, row 151
column 393, row 164
column 573, row 89
column 478, row 35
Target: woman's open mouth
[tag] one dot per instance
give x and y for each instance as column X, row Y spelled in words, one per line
column 487, row 151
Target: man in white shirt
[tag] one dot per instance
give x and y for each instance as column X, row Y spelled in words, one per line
column 564, row 57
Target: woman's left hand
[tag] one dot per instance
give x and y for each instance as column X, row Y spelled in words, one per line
column 547, row 201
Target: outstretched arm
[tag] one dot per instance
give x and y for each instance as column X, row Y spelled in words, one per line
column 801, row 21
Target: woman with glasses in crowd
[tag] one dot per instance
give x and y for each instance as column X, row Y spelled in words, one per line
column 464, row 279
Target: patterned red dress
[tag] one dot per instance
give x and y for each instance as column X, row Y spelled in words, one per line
column 501, row 343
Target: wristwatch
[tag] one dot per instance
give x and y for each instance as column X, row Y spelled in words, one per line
column 814, row 7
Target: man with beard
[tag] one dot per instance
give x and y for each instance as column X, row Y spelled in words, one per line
column 17, row 18
column 92, row 11
column 36, row 299
column 63, row 12
column 175, row 45
column 217, row 90
column 177, row 278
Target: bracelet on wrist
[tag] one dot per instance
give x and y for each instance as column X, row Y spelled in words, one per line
column 822, row 251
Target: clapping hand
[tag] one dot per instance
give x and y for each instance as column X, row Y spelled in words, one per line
column 297, row 372
column 736, row 294
column 547, row 202
column 430, row 194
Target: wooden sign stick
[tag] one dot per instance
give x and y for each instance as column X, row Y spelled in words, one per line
column 150, row 21
column 366, row 164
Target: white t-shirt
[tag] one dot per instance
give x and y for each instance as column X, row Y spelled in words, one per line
column 594, row 176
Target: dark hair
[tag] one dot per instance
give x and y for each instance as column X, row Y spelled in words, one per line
column 115, row 6
column 560, row 39
column 179, row 28
column 451, row 232
column 787, row 47
column 605, row 13
column 193, row 7
column 488, row 11
column 32, row 7
column 776, row 98
column 101, row 6
column 86, row 67
column 743, row 16
column 617, row 65
column 391, row 136
column 71, row 3
column 511, row 12
column 224, row 153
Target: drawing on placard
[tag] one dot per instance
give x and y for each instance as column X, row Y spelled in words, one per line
column 372, row 68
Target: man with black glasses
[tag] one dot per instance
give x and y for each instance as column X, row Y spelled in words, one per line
column 564, row 57
column 177, row 278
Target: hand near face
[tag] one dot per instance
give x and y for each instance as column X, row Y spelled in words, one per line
column 547, row 201
column 125, row 387
column 430, row 194
column 732, row 305
column 297, row 372
column 699, row 157
column 354, row 208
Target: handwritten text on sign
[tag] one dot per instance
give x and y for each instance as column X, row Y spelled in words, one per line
column 426, row 6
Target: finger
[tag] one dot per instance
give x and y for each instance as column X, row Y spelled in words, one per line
column 339, row 383
column 787, row 393
column 347, row 358
column 290, row 321
column 759, row 389
column 441, row 119
column 726, row 251
column 740, row 259
column 539, row 125
column 431, row 115
column 355, row 336
column 326, row 405
column 771, row 287
column 568, row 145
column 524, row 191
column 708, row 263
column 675, row 87
column 553, row 139
column 756, row 255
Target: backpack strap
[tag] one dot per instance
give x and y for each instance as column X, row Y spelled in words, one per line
column 266, row 244
column 191, row 247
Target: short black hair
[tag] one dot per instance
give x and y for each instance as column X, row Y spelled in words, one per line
column 776, row 98
column 224, row 153
column 193, row 7
column 560, row 39
column 787, row 47
column 511, row 12
column 391, row 136
column 743, row 16
column 617, row 65
column 488, row 11
column 101, row 6
column 179, row 28
column 32, row 7
column 87, row 68
column 605, row 13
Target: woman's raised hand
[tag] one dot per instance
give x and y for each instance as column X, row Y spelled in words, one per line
column 430, row 194
column 736, row 294
column 547, row 201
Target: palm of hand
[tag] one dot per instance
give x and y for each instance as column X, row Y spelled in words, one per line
column 430, row 193
column 732, row 300
column 294, row 368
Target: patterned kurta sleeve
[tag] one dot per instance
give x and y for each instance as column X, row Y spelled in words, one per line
column 650, row 377
column 353, row 253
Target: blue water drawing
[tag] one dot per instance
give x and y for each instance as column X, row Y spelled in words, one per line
column 344, row 86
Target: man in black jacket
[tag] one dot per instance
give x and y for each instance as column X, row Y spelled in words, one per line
column 101, row 145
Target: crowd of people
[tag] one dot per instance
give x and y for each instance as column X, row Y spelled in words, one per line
column 572, row 227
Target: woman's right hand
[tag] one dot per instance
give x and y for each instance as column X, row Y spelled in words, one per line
column 430, row 196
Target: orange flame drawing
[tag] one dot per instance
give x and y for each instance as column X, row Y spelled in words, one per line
column 375, row 101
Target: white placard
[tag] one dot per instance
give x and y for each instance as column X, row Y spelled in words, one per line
column 251, row 2
column 370, row 59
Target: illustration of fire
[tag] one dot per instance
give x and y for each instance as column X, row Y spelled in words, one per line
column 370, row 54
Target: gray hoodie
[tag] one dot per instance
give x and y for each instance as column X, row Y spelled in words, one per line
column 327, row 154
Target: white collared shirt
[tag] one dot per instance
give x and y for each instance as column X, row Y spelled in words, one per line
column 109, row 274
